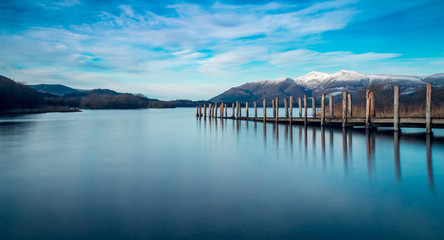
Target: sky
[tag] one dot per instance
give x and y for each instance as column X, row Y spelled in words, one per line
column 198, row 49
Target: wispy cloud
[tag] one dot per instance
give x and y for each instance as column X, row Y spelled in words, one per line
column 129, row 46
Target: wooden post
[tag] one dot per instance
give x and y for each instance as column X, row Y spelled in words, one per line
column 226, row 112
column 367, row 109
column 396, row 109
column 205, row 111
column 323, row 109
column 291, row 109
column 300, row 107
column 330, row 104
column 274, row 110
column 265, row 109
column 305, row 109
column 232, row 111
column 246, row 109
column 313, row 106
column 286, row 107
column 372, row 105
column 429, row 108
column 209, row 110
column 197, row 111
column 255, row 110
column 215, row 110
column 350, row 114
column 237, row 110
column 277, row 109
column 344, row 109
column 221, row 110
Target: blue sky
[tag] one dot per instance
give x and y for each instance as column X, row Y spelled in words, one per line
column 197, row 49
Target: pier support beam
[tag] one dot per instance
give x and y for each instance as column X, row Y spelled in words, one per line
column 215, row 110
column 233, row 110
column 350, row 109
column 205, row 111
column 274, row 108
column 246, row 109
column 305, row 109
column 429, row 108
column 265, row 109
column 277, row 109
column 396, row 109
column 372, row 105
column 344, row 109
column 291, row 109
column 367, row 109
column 255, row 110
column 313, row 106
column 300, row 107
column 226, row 112
column 286, row 107
column 322, row 109
column 221, row 110
column 330, row 104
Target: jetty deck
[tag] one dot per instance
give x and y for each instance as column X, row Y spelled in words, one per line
column 346, row 120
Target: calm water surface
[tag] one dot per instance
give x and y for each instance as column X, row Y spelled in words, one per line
column 163, row 174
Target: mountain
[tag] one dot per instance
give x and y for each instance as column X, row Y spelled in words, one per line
column 315, row 83
column 257, row 91
column 17, row 96
column 55, row 89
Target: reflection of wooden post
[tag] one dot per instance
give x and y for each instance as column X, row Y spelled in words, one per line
column 246, row 109
column 396, row 109
column 313, row 106
column 277, row 109
column 344, row 109
column 397, row 160
column 322, row 109
column 350, row 114
column 265, row 109
column 255, row 110
column 291, row 109
column 305, row 109
column 429, row 108
column 286, row 107
column 330, row 103
column 372, row 105
column 300, row 107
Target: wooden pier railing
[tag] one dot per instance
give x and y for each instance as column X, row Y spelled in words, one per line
column 347, row 119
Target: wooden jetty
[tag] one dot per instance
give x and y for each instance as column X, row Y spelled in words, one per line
column 346, row 120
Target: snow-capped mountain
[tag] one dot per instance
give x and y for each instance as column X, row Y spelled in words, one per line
column 315, row 83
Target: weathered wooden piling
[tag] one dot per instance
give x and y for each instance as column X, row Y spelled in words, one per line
column 277, row 109
column 372, row 105
column 255, row 110
column 396, row 109
column 300, row 107
column 291, row 109
column 246, row 109
column 274, row 108
column 233, row 110
column 265, row 108
column 313, row 106
column 367, row 109
column 344, row 109
column 322, row 109
column 286, row 107
column 215, row 110
column 350, row 110
column 221, row 110
column 305, row 109
column 200, row 110
column 330, row 104
column 240, row 110
column 197, row 111
column 429, row 108
column 226, row 111
column 205, row 111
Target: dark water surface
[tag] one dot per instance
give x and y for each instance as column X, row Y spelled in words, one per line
column 163, row 174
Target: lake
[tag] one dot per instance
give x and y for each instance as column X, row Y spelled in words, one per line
column 164, row 174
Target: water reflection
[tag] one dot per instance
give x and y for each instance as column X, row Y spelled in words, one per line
column 317, row 148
